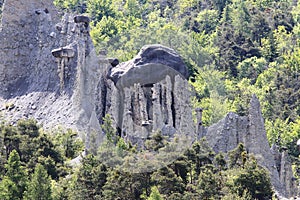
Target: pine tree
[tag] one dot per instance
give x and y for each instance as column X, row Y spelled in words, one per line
column 2, row 150
column 90, row 179
column 252, row 178
column 208, row 187
column 40, row 185
column 14, row 182
column 167, row 181
column 155, row 195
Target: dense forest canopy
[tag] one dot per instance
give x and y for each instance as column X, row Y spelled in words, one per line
column 233, row 48
column 36, row 165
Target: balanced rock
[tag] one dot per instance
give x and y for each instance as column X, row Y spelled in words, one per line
column 151, row 65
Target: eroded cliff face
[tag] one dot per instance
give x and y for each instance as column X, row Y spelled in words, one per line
column 49, row 71
column 26, row 37
column 150, row 93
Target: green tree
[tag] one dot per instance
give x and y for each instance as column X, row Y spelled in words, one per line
column 251, row 68
column 259, row 25
column 15, row 180
column 109, row 130
column 97, row 9
column 199, row 155
column 235, row 37
column 123, row 184
column 11, row 139
column 68, row 142
column 132, row 8
column 207, row 20
column 120, row 185
column 2, row 150
column 235, row 196
column 78, row 6
column 253, row 179
column 62, row 189
column 33, row 146
column 155, row 195
column 220, row 161
column 212, row 95
column 39, row 186
column 269, row 47
column 89, row 179
column 238, row 156
column 8, row 189
column 220, row 5
column 167, row 181
column 156, row 142
column 208, row 184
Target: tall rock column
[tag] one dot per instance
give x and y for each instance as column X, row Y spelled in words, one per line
column 90, row 70
column 257, row 143
column 286, row 175
column 234, row 129
column 182, row 109
column 157, row 109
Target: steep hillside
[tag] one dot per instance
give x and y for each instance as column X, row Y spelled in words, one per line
column 35, row 83
column 233, row 49
column 183, row 66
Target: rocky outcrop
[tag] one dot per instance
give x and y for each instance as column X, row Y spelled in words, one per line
column 286, row 175
column 48, row 68
column 50, row 72
column 151, row 94
column 151, row 65
column 234, row 129
column 26, row 36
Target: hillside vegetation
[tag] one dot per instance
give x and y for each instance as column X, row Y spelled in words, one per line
column 35, row 165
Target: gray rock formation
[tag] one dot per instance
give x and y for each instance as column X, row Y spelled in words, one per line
column 25, row 37
column 151, row 65
column 233, row 129
column 50, row 72
column 283, row 165
column 48, row 67
column 151, row 94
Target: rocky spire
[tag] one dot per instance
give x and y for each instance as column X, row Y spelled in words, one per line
column 250, row 130
column 257, row 143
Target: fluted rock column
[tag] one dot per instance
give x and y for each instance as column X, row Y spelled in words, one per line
column 257, row 143
column 157, row 108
